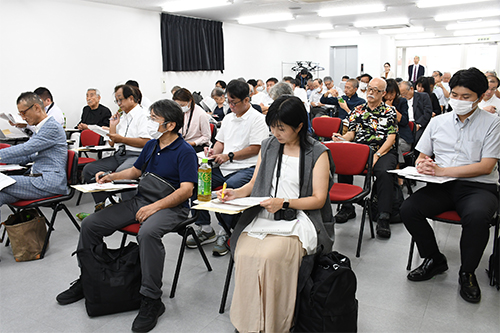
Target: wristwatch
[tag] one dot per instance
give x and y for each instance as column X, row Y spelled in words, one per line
column 378, row 154
column 286, row 203
column 231, row 156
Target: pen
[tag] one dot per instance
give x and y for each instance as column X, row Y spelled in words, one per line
column 223, row 189
column 103, row 175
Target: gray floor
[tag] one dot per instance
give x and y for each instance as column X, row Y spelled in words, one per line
column 388, row 302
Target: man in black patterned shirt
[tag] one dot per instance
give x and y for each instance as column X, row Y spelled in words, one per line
column 375, row 124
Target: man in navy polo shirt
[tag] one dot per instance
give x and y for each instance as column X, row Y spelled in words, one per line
column 173, row 159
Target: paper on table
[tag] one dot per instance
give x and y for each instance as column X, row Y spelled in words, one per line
column 412, row 173
column 95, row 187
column 99, row 130
column 201, row 155
column 12, row 118
column 6, row 181
column 230, row 207
column 11, row 167
column 103, row 147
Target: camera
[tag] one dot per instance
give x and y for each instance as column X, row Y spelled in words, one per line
column 287, row 214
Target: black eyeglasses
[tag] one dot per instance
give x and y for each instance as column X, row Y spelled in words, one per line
column 22, row 113
column 233, row 104
column 376, row 90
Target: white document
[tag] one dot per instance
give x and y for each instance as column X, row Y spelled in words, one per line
column 412, row 173
column 96, row 187
column 11, row 167
column 6, row 181
column 103, row 147
column 201, row 155
column 99, row 130
column 12, row 118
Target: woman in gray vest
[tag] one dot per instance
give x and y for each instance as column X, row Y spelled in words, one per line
column 295, row 173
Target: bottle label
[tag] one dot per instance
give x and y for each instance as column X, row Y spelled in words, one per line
column 205, row 182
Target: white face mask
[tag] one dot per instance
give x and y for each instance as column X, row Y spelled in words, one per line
column 318, row 90
column 363, row 85
column 260, row 88
column 461, row 107
column 185, row 108
column 156, row 135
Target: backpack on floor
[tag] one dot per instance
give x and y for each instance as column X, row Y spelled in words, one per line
column 111, row 279
column 326, row 295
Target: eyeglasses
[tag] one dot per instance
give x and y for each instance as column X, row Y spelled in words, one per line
column 233, row 104
column 119, row 101
column 22, row 113
column 373, row 89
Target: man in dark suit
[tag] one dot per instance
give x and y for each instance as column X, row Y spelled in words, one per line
column 416, row 70
column 419, row 107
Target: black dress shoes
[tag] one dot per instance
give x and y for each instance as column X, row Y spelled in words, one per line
column 429, row 268
column 72, row 295
column 469, row 288
column 383, row 226
column 345, row 214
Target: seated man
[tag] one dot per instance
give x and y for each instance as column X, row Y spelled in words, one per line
column 128, row 133
column 47, row 148
column 173, row 159
column 490, row 102
column 374, row 124
column 263, row 99
column 317, row 109
column 236, row 151
column 350, row 98
column 419, row 107
column 465, row 144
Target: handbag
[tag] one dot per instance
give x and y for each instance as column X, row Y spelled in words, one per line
column 153, row 187
column 111, row 279
column 27, row 232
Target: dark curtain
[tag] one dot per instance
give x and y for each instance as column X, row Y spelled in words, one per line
column 190, row 44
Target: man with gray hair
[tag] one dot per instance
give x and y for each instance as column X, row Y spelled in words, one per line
column 94, row 113
column 348, row 101
column 330, row 86
column 281, row 88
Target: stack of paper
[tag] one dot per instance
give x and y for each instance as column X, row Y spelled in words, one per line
column 95, row 187
column 15, row 119
column 5, row 181
column 412, row 173
column 99, row 130
column 230, row 207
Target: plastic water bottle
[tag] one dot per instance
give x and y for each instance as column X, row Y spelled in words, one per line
column 204, row 181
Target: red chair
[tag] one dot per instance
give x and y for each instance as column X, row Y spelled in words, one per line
column 87, row 138
column 56, row 203
column 353, row 159
column 325, row 126
column 184, row 229
column 453, row 218
column 4, row 145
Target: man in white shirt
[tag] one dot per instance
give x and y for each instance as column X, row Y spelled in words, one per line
column 262, row 98
column 490, row 102
column 331, row 86
column 363, row 84
column 128, row 133
column 236, row 152
column 442, row 93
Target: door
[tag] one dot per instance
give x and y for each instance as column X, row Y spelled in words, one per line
column 343, row 61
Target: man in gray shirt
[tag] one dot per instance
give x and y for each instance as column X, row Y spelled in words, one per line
column 466, row 145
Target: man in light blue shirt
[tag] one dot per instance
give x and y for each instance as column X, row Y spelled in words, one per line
column 465, row 144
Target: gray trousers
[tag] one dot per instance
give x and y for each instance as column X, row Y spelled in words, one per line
column 113, row 163
column 151, row 249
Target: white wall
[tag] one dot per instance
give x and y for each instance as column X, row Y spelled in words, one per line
column 71, row 45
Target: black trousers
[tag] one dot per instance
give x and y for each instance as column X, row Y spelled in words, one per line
column 474, row 202
column 385, row 181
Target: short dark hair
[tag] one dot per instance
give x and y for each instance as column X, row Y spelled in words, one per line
column 345, row 77
column 252, row 82
column 296, row 82
column 132, row 83
column 272, row 79
column 130, row 91
column 29, row 97
column 354, row 82
column 169, row 110
column 238, row 89
column 366, row 75
column 288, row 79
column 472, row 79
column 387, row 64
column 221, row 83
column 439, row 73
column 424, row 82
column 44, row 93
column 217, row 92
column 392, row 86
column 184, row 95
column 291, row 111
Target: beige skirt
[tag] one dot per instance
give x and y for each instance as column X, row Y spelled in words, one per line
column 265, row 288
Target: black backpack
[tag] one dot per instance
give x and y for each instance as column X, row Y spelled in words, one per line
column 326, row 295
column 111, row 279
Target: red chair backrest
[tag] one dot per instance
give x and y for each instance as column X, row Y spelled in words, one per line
column 4, row 145
column 349, row 158
column 89, row 138
column 326, row 126
column 72, row 168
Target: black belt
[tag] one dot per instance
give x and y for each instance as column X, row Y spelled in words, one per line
column 32, row 175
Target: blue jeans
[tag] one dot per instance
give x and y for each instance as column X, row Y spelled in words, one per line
column 234, row 180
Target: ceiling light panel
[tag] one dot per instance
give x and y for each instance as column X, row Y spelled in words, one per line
column 265, row 18
column 444, row 3
column 309, row 27
column 416, row 36
column 474, row 32
column 381, row 22
column 339, row 34
column 473, row 25
column 467, row 15
column 400, row 30
column 353, row 10
column 184, row 6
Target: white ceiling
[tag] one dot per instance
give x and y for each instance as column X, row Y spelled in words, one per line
column 305, row 12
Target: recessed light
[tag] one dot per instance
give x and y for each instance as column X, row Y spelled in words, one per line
column 309, row 27
column 381, row 22
column 444, row 3
column 265, row 18
column 473, row 25
column 467, row 15
column 416, row 36
column 352, row 10
column 339, row 34
column 487, row 31
column 399, row 30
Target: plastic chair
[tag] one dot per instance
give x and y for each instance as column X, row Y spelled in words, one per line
column 353, row 159
column 326, row 126
column 56, row 203
column 184, row 229
column 87, row 138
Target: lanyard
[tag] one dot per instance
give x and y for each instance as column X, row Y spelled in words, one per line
column 188, row 124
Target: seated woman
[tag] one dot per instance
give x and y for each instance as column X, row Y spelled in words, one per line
column 294, row 170
column 196, row 130
column 393, row 98
column 423, row 85
column 171, row 158
column 222, row 108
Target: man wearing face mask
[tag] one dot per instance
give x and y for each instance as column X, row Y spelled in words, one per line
column 465, row 144
column 363, row 84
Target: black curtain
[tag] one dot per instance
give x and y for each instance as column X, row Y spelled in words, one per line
column 190, row 44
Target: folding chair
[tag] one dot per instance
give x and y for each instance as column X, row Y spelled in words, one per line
column 56, row 203
column 87, row 138
column 453, row 218
column 184, row 229
column 353, row 159
column 324, row 127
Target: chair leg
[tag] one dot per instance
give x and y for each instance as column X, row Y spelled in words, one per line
column 491, row 271
column 179, row 264
column 361, row 229
column 410, row 255
column 77, row 226
column 370, row 217
column 49, row 231
column 79, row 198
column 190, row 231
column 226, row 285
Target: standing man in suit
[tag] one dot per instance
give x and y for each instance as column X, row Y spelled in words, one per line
column 416, row 70
column 419, row 107
column 46, row 149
